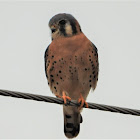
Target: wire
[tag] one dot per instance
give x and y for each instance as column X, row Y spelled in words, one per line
column 71, row 103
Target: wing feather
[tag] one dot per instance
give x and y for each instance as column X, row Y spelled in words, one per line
column 46, row 61
column 96, row 65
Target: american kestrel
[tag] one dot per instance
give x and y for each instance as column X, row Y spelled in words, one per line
column 71, row 65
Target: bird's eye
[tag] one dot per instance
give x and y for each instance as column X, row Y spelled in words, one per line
column 53, row 30
column 62, row 22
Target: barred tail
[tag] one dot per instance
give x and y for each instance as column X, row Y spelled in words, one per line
column 72, row 120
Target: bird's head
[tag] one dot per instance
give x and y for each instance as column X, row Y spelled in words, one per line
column 64, row 25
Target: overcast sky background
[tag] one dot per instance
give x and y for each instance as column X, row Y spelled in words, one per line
column 114, row 27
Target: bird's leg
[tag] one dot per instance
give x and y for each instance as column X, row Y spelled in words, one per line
column 82, row 101
column 64, row 97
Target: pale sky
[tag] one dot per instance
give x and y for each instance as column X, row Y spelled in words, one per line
column 114, row 27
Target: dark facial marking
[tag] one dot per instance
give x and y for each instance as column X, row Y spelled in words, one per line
column 62, row 27
column 74, row 30
column 63, row 31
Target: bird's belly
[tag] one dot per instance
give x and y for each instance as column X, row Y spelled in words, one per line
column 71, row 74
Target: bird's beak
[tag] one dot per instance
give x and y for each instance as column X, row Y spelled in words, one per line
column 53, row 30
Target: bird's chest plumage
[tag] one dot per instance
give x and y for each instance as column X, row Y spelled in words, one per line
column 68, row 64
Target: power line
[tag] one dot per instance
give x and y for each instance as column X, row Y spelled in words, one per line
column 71, row 103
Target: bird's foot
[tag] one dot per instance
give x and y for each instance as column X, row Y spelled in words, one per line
column 64, row 97
column 82, row 102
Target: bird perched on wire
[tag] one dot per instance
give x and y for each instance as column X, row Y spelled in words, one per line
column 71, row 65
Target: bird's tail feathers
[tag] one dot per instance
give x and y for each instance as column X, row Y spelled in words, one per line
column 72, row 120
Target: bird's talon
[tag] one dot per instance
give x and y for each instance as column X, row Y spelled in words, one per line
column 86, row 104
column 82, row 102
column 65, row 98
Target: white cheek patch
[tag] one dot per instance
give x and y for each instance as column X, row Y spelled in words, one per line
column 68, row 29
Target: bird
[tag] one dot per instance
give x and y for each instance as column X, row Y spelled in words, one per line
column 71, row 67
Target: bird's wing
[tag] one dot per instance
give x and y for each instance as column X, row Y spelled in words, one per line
column 46, row 61
column 96, row 65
